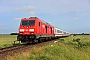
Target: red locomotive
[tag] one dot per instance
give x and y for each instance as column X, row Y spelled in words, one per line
column 33, row 29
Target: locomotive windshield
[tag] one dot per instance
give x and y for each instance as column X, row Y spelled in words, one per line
column 28, row 22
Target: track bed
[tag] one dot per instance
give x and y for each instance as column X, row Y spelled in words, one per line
column 4, row 52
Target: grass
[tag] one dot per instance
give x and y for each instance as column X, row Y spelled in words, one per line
column 7, row 40
column 66, row 49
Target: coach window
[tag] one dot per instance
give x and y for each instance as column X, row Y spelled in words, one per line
column 57, row 31
column 39, row 23
column 60, row 31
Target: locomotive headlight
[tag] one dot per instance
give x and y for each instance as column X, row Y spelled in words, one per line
column 31, row 30
column 21, row 30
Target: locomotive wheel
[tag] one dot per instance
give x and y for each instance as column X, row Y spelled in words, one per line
column 39, row 40
column 34, row 41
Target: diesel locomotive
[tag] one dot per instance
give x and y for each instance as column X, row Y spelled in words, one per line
column 34, row 29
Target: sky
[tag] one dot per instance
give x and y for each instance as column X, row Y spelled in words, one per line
column 72, row 16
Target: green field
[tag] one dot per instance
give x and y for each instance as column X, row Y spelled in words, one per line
column 69, row 48
column 7, row 40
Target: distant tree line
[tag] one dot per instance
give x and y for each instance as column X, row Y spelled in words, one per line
column 81, row 34
column 13, row 33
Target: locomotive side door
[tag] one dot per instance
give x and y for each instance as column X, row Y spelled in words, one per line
column 40, row 28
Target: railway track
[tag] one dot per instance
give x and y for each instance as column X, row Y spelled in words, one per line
column 4, row 52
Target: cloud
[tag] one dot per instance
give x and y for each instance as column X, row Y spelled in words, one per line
column 48, row 6
column 17, row 19
column 75, row 18
column 4, row 8
column 3, row 28
column 1, row 24
column 32, row 13
column 26, row 9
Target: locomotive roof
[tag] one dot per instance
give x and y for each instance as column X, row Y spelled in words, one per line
column 30, row 17
column 46, row 22
column 40, row 20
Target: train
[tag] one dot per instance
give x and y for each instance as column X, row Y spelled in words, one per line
column 33, row 30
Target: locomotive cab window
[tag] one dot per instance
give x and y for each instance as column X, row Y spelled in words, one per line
column 28, row 22
column 31, row 22
column 24, row 22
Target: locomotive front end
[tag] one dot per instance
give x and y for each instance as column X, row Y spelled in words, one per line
column 26, row 31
